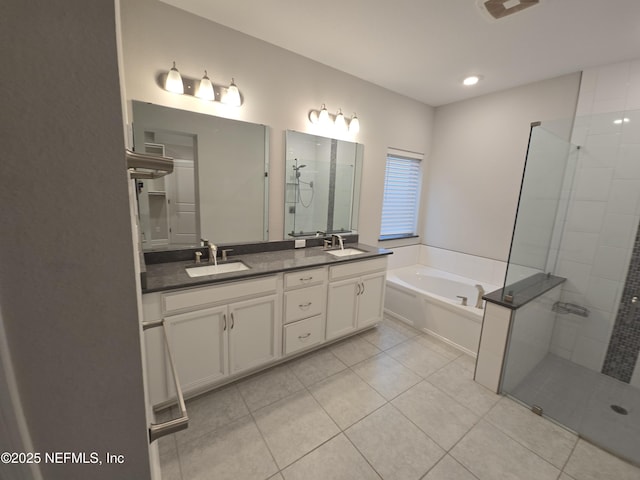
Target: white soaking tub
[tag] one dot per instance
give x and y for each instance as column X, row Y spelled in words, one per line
column 427, row 299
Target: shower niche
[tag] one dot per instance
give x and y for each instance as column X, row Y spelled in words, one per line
column 322, row 185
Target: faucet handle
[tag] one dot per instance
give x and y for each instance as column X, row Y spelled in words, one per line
column 205, row 242
column 225, row 252
column 198, row 255
column 463, row 300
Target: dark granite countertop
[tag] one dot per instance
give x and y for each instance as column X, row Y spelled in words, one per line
column 173, row 275
column 524, row 290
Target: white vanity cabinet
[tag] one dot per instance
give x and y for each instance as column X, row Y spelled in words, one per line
column 214, row 332
column 355, row 296
column 305, row 299
column 218, row 333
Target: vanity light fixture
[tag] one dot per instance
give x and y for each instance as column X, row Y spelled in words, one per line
column 620, row 121
column 173, row 83
column 338, row 121
column 205, row 89
column 233, row 95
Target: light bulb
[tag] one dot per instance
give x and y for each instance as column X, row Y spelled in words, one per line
column 340, row 122
column 323, row 116
column 205, row 89
column 233, row 95
column 472, row 80
column 173, row 82
column 354, row 125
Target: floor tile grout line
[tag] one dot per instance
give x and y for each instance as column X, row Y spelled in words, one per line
column 264, row 440
column 275, row 401
column 575, row 445
column 452, row 458
column 340, row 430
column 429, row 436
column 483, row 418
column 499, row 427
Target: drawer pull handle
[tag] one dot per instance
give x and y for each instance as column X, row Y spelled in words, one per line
column 304, row 306
column 306, row 335
column 362, row 288
column 306, row 279
column 224, row 322
column 233, row 322
column 359, row 290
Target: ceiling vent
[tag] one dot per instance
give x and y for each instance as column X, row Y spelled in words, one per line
column 503, row 8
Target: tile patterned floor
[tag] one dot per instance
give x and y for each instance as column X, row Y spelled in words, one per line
column 390, row 403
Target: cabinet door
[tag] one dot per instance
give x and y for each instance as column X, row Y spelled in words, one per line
column 198, row 345
column 371, row 299
column 341, row 308
column 253, row 337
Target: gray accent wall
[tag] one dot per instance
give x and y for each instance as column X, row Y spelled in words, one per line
column 67, row 280
column 624, row 345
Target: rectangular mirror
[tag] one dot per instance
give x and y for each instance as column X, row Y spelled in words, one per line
column 219, row 187
column 322, row 185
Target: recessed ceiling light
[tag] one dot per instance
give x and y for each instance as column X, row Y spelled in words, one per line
column 471, row 80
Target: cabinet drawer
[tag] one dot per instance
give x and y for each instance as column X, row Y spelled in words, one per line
column 354, row 269
column 197, row 297
column 303, row 334
column 304, row 303
column 303, row 278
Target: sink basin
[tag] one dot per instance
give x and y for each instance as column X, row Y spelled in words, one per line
column 216, row 269
column 345, row 253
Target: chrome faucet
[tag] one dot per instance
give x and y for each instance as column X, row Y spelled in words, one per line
column 333, row 240
column 213, row 251
column 480, row 294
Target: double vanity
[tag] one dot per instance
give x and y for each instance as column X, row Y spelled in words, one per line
column 279, row 304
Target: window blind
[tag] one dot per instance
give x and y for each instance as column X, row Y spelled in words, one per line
column 401, row 196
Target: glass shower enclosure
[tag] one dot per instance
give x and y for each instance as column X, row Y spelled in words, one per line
column 578, row 218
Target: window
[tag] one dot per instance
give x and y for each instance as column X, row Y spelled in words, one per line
column 401, row 196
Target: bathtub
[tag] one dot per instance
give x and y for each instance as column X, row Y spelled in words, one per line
column 426, row 299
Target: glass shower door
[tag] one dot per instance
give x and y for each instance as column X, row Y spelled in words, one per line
column 588, row 379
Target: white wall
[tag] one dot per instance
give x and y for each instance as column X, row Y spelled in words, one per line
column 477, row 161
column 604, row 210
column 67, row 281
column 279, row 88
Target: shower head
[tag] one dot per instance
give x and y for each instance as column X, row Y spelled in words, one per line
column 299, row 167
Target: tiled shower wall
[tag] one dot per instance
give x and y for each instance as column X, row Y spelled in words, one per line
column 604, row 210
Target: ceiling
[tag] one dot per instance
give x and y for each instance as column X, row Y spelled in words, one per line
column 424, row 48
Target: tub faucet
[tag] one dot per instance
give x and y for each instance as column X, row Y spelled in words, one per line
column 480, row 294
column 333, row 240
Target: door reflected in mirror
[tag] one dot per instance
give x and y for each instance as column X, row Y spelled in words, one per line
column 219, row 188
column 322, row 182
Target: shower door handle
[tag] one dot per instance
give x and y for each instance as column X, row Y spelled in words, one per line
column 635, row 303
